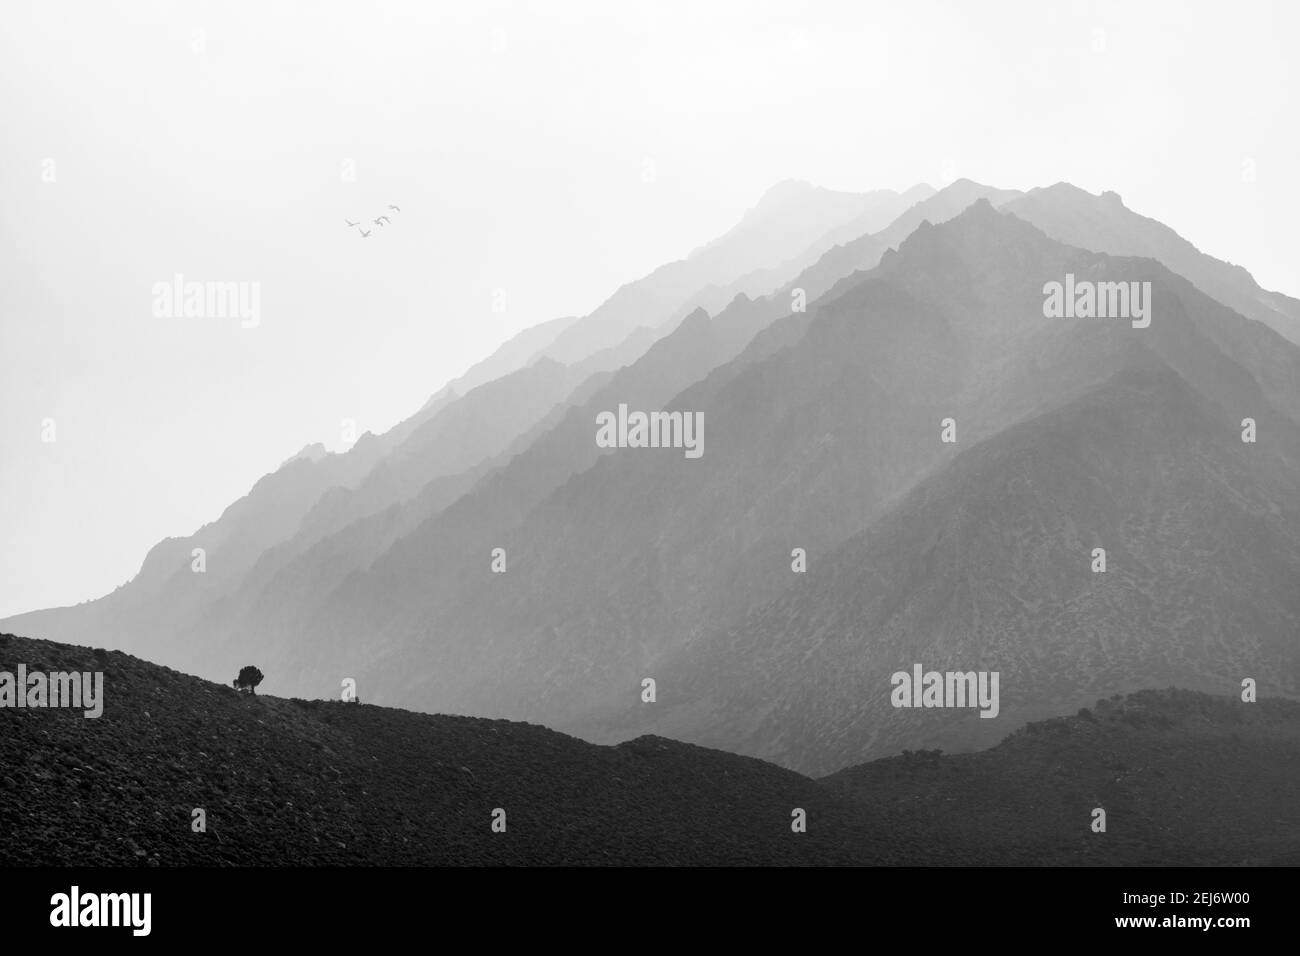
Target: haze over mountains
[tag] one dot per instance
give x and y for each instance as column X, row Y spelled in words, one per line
column 1076, row 217
column 790, row 226
column 822, row 432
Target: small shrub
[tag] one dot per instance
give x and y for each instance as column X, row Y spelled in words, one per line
column 248, row 679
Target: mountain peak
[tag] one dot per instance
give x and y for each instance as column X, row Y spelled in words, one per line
column 787, row 190
column 311, row 452
column 698, row 317
column 1064, row 188
column 979, row 228
column 546, row 363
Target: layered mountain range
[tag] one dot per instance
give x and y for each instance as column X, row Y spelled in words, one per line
column 906, row 460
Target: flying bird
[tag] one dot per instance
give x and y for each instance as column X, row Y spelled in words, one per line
column 350, row 222
column 382, row 220
column 364, row 234
column 394, row 208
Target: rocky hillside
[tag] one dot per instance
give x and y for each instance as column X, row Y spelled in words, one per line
column 329, row 783
column 1185, row 778
column 1156, row 762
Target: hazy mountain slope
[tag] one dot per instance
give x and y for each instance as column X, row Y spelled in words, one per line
column 1105, row 224
column 639, row 477
column 789, row 218
column 1184, row 778
column 865, row 251
column 315, row 488
column 314, row 495
column 615, row 564
column 764, row 281
column 733, row 329
column 631, row 557
column 272, row 510
column 395, row 482
column 640, row 555
column 1229, row 358
column 485, row 421
column 512, row 355
column 986, row 566
column 804, row 448
column 293, row 610
column 837, row 263
column 308, row 566
column 271, row 513
column 442, row 460
column 348, row 529
column 872, row 220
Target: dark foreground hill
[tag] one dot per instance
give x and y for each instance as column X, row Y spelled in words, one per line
column 315, row 782
column 1155, row 761
column 1185, row 778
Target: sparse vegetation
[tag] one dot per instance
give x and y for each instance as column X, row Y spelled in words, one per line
column 1198, row 779
column 248, row 679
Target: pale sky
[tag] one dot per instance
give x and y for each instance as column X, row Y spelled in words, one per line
column 210, row 139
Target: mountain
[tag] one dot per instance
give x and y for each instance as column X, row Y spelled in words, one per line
column 1104, row 224
column 272, row 511
column 870, row 221
column 802, row 678
column 514, row 354
column 459, row 440
column 763, row 282
column 816, row 429
column 854, row 247
column 788, row 220
column 821, row 429
column 864, row 251
column 987, row 567
column 732, row 330
column 444, row 555
column 806, row 447
column 315, row 494
column 1184, row 778
column 373, row 569
column 399, row 477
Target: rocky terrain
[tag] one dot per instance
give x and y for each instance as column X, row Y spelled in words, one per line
column 1184, row 777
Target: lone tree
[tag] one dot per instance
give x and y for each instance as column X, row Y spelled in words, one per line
column 248, row 679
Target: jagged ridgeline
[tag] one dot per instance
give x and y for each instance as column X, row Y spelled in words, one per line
column 935, row 438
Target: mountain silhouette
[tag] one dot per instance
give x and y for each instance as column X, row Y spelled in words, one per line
column 789, row 219
column 822, row 432
column 1104, row 224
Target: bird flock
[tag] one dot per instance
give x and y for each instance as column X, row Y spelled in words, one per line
column 378, row 221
